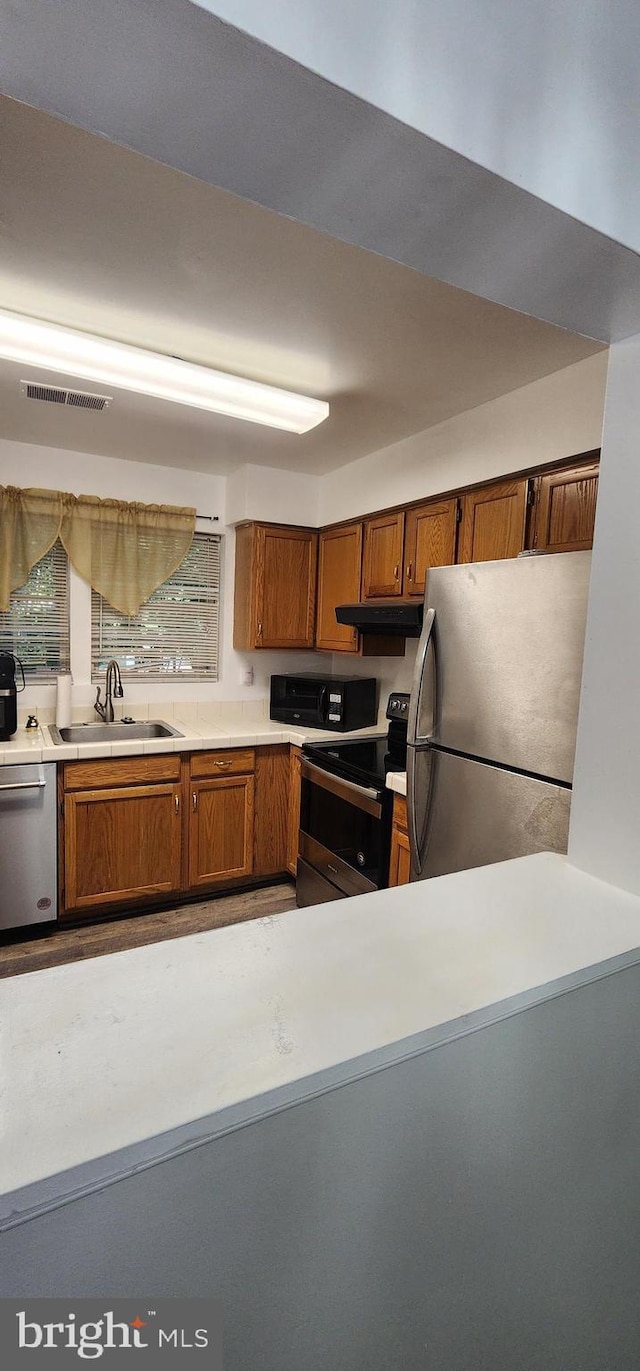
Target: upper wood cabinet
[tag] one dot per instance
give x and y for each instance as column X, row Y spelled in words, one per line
column 383, row 553
column 275, row 587
column 429, row 540
column 339, row 576
column 493, row 522
column 565, row 509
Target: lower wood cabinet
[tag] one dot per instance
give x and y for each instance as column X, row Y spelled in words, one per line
column 294, row 810
column 137, row 830
column 400, row 858
column 122, row 844
column 221, row 820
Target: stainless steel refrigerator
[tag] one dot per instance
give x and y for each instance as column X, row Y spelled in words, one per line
column 493, row 713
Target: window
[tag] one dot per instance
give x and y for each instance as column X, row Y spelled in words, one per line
column 36, row 626
column 176, row 631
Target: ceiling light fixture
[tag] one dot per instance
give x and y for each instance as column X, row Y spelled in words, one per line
column 39, row 344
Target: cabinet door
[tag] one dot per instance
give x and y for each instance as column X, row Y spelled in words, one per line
column 400, row 859
column 273, row 773
column 121, row 844
column 429, row 540
column 383, row 548
column 286, row 586
column 566, row 510
column 339, row 576
column 294, row 811
column 493, row 522
column 220, row 830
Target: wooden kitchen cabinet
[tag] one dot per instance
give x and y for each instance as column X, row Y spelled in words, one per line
column 400, row 856
column 294, row 810
column 382, row 558
column 121, row 843
column 221, row 822
column 339, row 577
column 565, row 509
column 221, row 828
column 429, row 540
column 273, row 787
column 275, row 587
column 493, row 521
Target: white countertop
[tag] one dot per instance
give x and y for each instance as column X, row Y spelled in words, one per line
column 38, row 746
column 104, row 1053
column 397, row 781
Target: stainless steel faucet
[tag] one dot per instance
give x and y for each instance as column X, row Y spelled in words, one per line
column 113, row 687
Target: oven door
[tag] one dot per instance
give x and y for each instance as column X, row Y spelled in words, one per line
column 343, row 830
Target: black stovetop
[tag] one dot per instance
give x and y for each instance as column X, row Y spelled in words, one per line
column 364, row 760
column 367, row 760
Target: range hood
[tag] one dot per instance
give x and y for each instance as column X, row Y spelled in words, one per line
column 397, row 618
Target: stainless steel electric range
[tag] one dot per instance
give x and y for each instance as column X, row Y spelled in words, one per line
column 346, row 810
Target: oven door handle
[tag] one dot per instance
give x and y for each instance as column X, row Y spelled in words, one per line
column 364, row 797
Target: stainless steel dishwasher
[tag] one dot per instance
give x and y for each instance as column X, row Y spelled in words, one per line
column 28, row 845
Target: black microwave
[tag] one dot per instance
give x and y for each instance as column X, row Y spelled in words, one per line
column 333, row 702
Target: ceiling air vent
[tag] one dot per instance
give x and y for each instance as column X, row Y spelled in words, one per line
column 80, row 399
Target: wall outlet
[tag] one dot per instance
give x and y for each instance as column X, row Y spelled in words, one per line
column 246, row 678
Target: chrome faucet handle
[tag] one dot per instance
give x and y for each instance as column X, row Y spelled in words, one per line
column 98, row 706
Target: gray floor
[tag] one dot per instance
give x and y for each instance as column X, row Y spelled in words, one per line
column 35, row 951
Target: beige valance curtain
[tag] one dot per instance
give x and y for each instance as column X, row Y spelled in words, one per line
column 124, row 550
column 29, row 525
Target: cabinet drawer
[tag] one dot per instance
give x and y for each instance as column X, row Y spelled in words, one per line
column 231, row 762
column 90, row 775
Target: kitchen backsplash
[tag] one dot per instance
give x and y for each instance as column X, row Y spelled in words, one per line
column 189, row 711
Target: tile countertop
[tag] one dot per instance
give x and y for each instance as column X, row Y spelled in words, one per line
column 38, row 746
column 99, row 1055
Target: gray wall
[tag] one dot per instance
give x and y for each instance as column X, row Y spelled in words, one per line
column 473, row 1208
column 545, row 94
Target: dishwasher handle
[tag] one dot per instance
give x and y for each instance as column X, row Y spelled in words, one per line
column 24, row 785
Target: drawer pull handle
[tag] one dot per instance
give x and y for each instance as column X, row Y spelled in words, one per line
column 334, row 869
column 218, row 763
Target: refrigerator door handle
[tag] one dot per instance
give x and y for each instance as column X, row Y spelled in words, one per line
column 421, row 779
column 426, row 641
column 414, row 850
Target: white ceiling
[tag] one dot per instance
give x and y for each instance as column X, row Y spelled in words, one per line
column 103, row 239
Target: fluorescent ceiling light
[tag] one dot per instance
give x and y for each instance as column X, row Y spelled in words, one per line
column 38, row 344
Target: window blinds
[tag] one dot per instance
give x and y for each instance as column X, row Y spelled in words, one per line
column 35, row 628
column 176, row 632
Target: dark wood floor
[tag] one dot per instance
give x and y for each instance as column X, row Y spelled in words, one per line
column 38, row 950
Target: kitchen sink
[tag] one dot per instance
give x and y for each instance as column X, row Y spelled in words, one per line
column 111, row 733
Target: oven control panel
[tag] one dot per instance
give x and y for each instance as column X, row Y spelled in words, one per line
column 398, row 705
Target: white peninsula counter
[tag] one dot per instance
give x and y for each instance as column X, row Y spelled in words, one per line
column 121, row 1050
